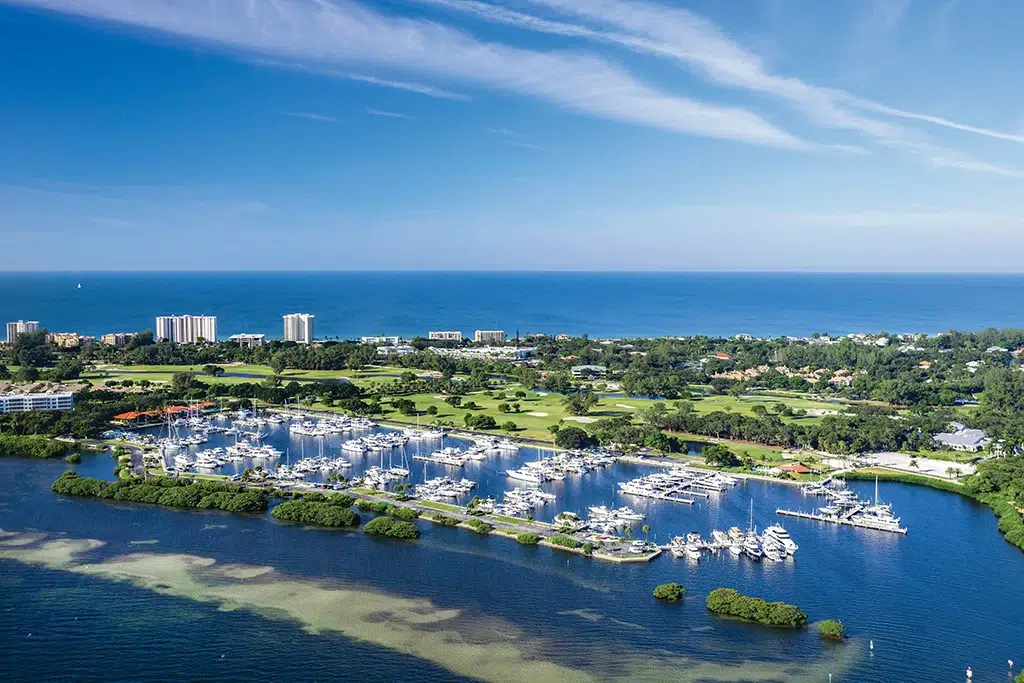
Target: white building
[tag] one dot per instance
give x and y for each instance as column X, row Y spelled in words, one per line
column 186, row 329
column 20, row 327
column 489, row 337
column 21, row 403
column 962, row 438
column 248, row 341
column 445, row 336
column 395, row 350
column 486, row 352
column 390, row 341
column 298, row 327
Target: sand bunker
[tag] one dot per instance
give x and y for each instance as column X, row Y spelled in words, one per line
column 538, row 414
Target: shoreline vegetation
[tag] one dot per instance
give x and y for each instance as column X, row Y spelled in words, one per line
column 12, row 445
column 176, row 493
column 731, row 603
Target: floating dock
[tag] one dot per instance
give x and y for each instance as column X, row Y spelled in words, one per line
column 848, row 518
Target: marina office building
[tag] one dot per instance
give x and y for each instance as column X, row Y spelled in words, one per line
column 22, row 403
column 20, row 327
column 186, row 329
column 298, row 327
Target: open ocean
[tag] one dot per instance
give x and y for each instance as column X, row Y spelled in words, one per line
column 351, row 304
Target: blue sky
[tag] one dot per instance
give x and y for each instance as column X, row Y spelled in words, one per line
column 511, row 134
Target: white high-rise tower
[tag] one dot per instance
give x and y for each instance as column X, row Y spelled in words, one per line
column 298, row 327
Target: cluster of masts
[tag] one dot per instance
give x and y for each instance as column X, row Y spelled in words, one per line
column 375, row 442
column 845, row 507
column 216, row 458
column 326, row 427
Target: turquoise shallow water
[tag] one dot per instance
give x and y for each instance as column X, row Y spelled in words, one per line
column 601, row 304
column 944, row 597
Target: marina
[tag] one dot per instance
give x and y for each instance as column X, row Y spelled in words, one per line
column 846, row 508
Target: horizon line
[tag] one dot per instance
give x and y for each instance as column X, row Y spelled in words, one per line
column 511, row 271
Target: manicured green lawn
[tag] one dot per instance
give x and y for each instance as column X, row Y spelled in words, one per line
column 539, row 410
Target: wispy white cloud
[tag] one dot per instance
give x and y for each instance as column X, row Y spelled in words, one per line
column 510, row 137
column 882, row 17
column 702, row 47
column 525, row 145
column 418, row 88
column 344, row 32
column 504, row 131
column 388, row 114
column 407, row 86
column 311, row 117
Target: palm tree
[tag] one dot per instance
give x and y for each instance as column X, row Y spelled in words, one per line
column 646, row 529
column 913, row 464
column 957, row 471
column 950, row 471
column 629, row 531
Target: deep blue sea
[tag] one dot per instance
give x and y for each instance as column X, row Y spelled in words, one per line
column 352, row 304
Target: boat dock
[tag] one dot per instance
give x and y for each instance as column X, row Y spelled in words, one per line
column 849, row 518
column 661, row 496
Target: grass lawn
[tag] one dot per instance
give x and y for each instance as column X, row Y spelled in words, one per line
column 440, row 506
column 539, row 410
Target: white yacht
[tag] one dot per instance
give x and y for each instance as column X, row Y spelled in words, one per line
column 778, row 533
column 720, row 537
column 752, row 546
column 773, row 550
column 524, row 474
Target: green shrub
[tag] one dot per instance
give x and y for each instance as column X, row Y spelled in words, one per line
column 479, row 526
column 403, row 513
column 832, row 629
column 391, row 528
column 341, row 500
column 527, row 538
column 730, row 602
column 588, row 549
column 31, row 446
column 71, row 484
column 314, row 497
column 74, row 459
column 564, row 541
column 315, row 513
column 444, row 520
column 669, row 592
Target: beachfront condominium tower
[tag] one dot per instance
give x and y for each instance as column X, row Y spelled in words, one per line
column 186, row 329
column 489, row 337
column 445, row 336
column 298, row 327
column 20, row 327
